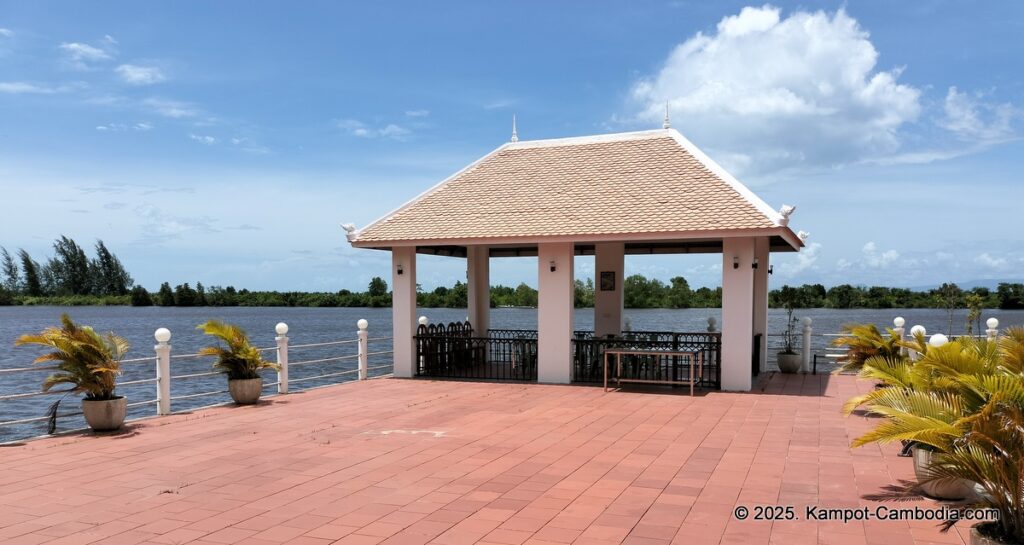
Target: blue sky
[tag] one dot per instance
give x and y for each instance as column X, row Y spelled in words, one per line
column 224, row 142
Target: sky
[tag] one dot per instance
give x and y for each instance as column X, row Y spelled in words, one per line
column 225, row 142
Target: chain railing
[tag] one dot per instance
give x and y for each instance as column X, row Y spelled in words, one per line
column 327, row 370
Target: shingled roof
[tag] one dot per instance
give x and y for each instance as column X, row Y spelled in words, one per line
column 650, row 182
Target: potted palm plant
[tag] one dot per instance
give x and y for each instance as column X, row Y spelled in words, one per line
column 238, row 359
column 90, row 363
column 936, row 402
column 789, row 359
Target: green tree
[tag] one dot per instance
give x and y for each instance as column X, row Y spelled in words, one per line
column 165, row 297
column 109, row 276
column 525, row 296
column 843, row 296
column 584, row 293
column 200, row 295
column 1010, row 296
column 9, row 271
column 975, row 304
column 185, row 296
column 951, row 298
column 31, row 282
column 679, row 293
column 68, row 269
column 140, row 297
column 378, row 287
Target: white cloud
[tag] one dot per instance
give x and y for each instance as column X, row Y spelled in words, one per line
column 171, row 108
column 24, row 87
column 80, row 55
column 965, row 117
column 122, row 127
column 765, row 92
column 6, row 32
column 417, row 113
column 988, row 261
column 804, row 260
column 871, row 257
column 360, row 129
column 140, row 75
column 203, row 139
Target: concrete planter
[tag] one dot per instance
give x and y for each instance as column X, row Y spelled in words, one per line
column 247, row 391
column 943, row 489
column 789, row 363
column 107, row 415
column 977, row 538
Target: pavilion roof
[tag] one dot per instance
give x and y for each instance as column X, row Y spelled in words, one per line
column 648, row 183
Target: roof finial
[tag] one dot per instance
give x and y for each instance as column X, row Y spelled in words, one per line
column 665, row 124
column 515, row 137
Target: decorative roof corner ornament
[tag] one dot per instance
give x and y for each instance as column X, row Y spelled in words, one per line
column 802, row 235
column 786, row 211
column 515, row 137
column 665, row 124
column 350, row 231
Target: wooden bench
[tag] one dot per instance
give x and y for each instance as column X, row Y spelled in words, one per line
column 695, row 359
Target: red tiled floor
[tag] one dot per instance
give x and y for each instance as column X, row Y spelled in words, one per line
column 448, row 463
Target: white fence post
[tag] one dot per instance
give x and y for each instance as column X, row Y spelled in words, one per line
column 993, row 328
column 805, row 363
column 897, row 328
column 282, row 356
column 163, row 371
column 363, row 358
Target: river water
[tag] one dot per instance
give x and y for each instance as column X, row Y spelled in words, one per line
column 316, row 325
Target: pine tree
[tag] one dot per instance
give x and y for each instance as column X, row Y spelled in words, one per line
column 9, row 270
column 69, row 269
column 200, row 300
column 109, row 276
column 31, row 281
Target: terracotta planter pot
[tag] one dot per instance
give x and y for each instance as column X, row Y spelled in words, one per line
column 789, row 363
column 977, row 538
column 107, row 415
column 247, row 391
column 943, row 489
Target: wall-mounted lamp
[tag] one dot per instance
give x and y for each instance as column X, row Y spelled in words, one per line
column 771, row 269
column 552, row 264
column 400, row 269
column 735, row 262
column 755, row 263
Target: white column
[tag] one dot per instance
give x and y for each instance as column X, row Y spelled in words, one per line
column 737, row 312
column 897, row 328
column 763, row 257
column 478, row 277
column 608, row 257
column 403, row 309
column 554, row 312
column 163, row 371
column 282, row 357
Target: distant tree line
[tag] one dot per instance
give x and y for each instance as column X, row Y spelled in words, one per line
column 71, row 277
column 69, row 273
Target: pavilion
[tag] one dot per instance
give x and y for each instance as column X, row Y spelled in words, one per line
column 648, row 192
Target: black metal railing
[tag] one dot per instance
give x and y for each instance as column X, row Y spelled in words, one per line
column 454, row 351
column 588, row 356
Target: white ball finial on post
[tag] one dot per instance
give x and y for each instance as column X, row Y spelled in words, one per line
column 993, row 328
column 424, row 321
column 282, row 356
column 938, row 340
column 163, row 371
